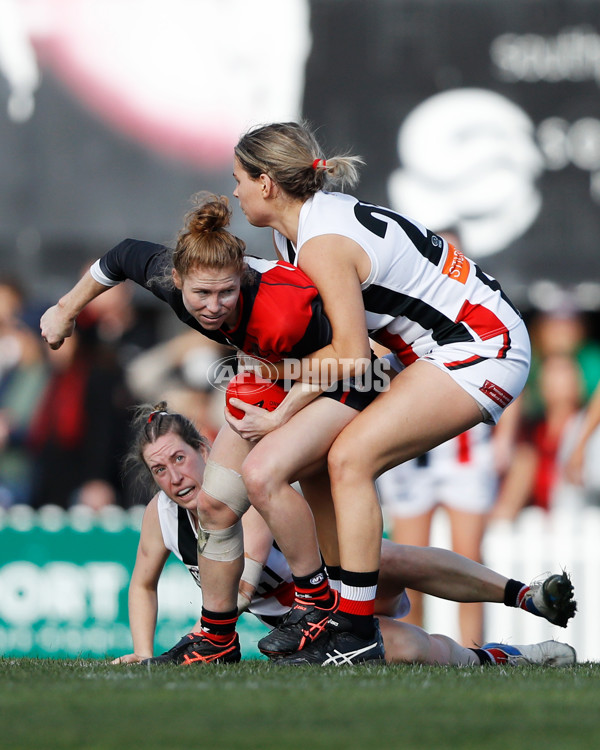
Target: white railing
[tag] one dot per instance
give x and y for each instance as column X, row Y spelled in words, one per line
column 536, row 543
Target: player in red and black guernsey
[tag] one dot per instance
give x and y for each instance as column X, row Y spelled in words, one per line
column 464, row 347
column 267, row 287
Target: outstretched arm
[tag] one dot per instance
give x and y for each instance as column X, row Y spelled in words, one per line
column 143, row 601
column 137, row 260
column 58, row 322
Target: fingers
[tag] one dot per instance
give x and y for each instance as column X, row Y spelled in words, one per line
column 241, row 405
column 55, row 327
column 231, row 420
column 127, row 659
column 53, row 344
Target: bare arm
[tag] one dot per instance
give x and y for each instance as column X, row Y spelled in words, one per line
column 336, row 266
column 143, row 601
column 58, row 322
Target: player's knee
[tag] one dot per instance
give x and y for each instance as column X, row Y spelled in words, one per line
column 212, row 513
column 260, row 477
column 223, row 493
column 346, row 463
column 404, row 644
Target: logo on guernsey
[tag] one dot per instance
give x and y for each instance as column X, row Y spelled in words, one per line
column 497, row 394
column 456, row 266
column 317, row 579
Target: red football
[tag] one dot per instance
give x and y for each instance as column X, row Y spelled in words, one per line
column 252, row 389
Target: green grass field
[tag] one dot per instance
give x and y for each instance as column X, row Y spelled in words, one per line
column 51, row 704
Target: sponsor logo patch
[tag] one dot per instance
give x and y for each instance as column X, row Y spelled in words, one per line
column 497, row 394
column 456, row 266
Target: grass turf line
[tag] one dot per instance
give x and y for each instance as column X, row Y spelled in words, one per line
column 52, row 704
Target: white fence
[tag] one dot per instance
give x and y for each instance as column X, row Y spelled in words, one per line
column 535, row 544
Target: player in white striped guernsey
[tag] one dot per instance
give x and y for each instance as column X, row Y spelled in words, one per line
column 464, row 346
column 170, row 450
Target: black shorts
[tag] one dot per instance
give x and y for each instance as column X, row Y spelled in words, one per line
column 358, row 393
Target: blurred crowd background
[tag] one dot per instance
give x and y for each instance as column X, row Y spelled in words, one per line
column 480, row 118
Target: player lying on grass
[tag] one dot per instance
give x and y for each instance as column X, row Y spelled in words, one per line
column 169, row 449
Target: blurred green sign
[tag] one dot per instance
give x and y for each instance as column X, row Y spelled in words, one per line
column 64, row 578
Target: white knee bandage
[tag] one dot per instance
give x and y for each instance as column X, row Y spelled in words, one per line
column 226, row 486
column 251, row 575
column 224, row 545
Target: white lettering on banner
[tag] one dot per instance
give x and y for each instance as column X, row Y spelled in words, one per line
column 178, row 596
column 63, row 593
column 565, row 143
column 19, row 592
column 572, row 55
column 577, row 143
column 98, row 640
column 60, row 592
column 105, row 582
column 19, row 640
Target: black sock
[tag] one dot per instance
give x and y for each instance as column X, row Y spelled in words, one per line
column 484, row 657
column 314, row 589
column 357, row 603
column 511, row 592
column 218, row 625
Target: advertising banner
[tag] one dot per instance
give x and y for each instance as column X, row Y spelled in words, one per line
column 483, row 117
column 63, row 587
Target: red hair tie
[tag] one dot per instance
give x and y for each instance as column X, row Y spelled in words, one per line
column 316, row 163
column 154, row 413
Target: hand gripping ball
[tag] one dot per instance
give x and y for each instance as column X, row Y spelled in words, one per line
column 252, row 389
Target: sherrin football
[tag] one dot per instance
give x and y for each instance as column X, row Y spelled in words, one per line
column 252, row 389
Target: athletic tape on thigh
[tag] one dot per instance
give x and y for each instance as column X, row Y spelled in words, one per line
column 226, row 486
column 224, row 545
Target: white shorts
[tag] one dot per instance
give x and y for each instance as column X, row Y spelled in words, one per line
column 457, row 474
column 493, row 382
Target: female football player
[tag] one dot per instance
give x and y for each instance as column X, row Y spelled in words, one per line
column 172, row 455
column 462, row 345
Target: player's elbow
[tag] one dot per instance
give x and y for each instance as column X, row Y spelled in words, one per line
column 353, row 360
